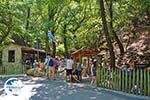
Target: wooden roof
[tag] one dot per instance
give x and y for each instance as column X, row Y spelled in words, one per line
column 85, row 52
column 31, row 50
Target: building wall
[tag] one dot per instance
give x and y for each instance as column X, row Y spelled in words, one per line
column 18, row 55
column 12, row 67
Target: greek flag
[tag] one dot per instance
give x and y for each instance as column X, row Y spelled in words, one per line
column 50, row 35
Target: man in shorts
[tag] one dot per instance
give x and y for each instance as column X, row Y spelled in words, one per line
column 69, row 64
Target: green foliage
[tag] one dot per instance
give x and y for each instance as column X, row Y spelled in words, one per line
column 60, row 50
column 81, row 18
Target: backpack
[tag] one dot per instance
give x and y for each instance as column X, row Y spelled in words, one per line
column 51, row 63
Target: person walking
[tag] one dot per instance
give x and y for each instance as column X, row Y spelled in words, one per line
column 93, row 72
column 51, row 68
column 46, row 64
column 78, row 69
column 69, row 64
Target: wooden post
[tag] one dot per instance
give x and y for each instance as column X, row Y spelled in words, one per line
column 141, row 80
column 126, row 81
column 119, row 79
column 123, row 80
column 145, row 83
column 88, row 65
column 98, row 75
column 133, row 79
column 104, row 76
column 148, row 73
column 112, row 78
column 100, row 68
column 115, row 79
column 109, row 79
column 130, row 81
column 137, row 80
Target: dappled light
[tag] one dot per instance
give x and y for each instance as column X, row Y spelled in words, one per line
column 75, row 49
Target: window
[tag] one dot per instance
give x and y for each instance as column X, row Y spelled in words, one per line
column 11, row 56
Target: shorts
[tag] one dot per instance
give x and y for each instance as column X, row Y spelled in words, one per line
column 94, row 73
column 78, row 72
column 68, row 72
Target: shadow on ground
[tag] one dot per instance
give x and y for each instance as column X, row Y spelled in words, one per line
column 59, row 90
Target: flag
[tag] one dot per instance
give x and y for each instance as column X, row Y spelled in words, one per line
column 50, row 35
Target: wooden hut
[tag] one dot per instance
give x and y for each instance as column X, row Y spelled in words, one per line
column 83, row 53
column 14, row 57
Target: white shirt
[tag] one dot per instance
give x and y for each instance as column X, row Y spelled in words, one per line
column 69, row 63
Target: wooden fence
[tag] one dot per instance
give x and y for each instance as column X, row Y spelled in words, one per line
column 12, row 70
column 136, row 81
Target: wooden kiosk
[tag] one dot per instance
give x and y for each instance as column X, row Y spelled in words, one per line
column 85, row 53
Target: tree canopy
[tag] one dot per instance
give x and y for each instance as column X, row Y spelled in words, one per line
column 74, row 23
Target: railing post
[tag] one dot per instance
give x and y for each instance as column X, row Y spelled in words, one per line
column 145, row 84
column 133, row 80
column 141, row 80
column 114, row 75
column 103, row 76
column 148, row 73
column 117, row 79
column 130, row 81
column 112, row 78
column 137, row 80
column 126, row 81
column 123, row 82
column 98, row 76
column 100, row 81
column 120, row 79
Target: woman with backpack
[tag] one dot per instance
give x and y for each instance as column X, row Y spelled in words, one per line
column 49, row 66
column 51, row 69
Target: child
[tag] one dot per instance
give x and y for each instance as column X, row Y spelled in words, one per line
column 41, row 65
column 75, row 76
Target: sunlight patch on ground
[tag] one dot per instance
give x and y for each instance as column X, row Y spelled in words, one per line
column 77, row 84
column 27, row 92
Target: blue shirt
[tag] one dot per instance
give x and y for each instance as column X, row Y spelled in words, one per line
column 78, row 66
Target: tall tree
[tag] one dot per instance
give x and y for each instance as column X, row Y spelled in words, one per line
column 112, row 29
column 9, row 24
column 51, row 14
column 106, row 32
column 28, row 17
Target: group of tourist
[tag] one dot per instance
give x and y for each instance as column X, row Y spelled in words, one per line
column 74, row 70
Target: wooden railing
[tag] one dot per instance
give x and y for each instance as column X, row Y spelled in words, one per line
column 12, row 69
column 136, row 81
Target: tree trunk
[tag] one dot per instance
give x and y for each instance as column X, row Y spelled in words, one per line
column 108, row 39
column 52, row 30
column 118, row 42
column 65, row 41
column 3, row 37
column 6, row 35
column 28, row 16
column 54, row 47
column 46, row 41
column 112, row 30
